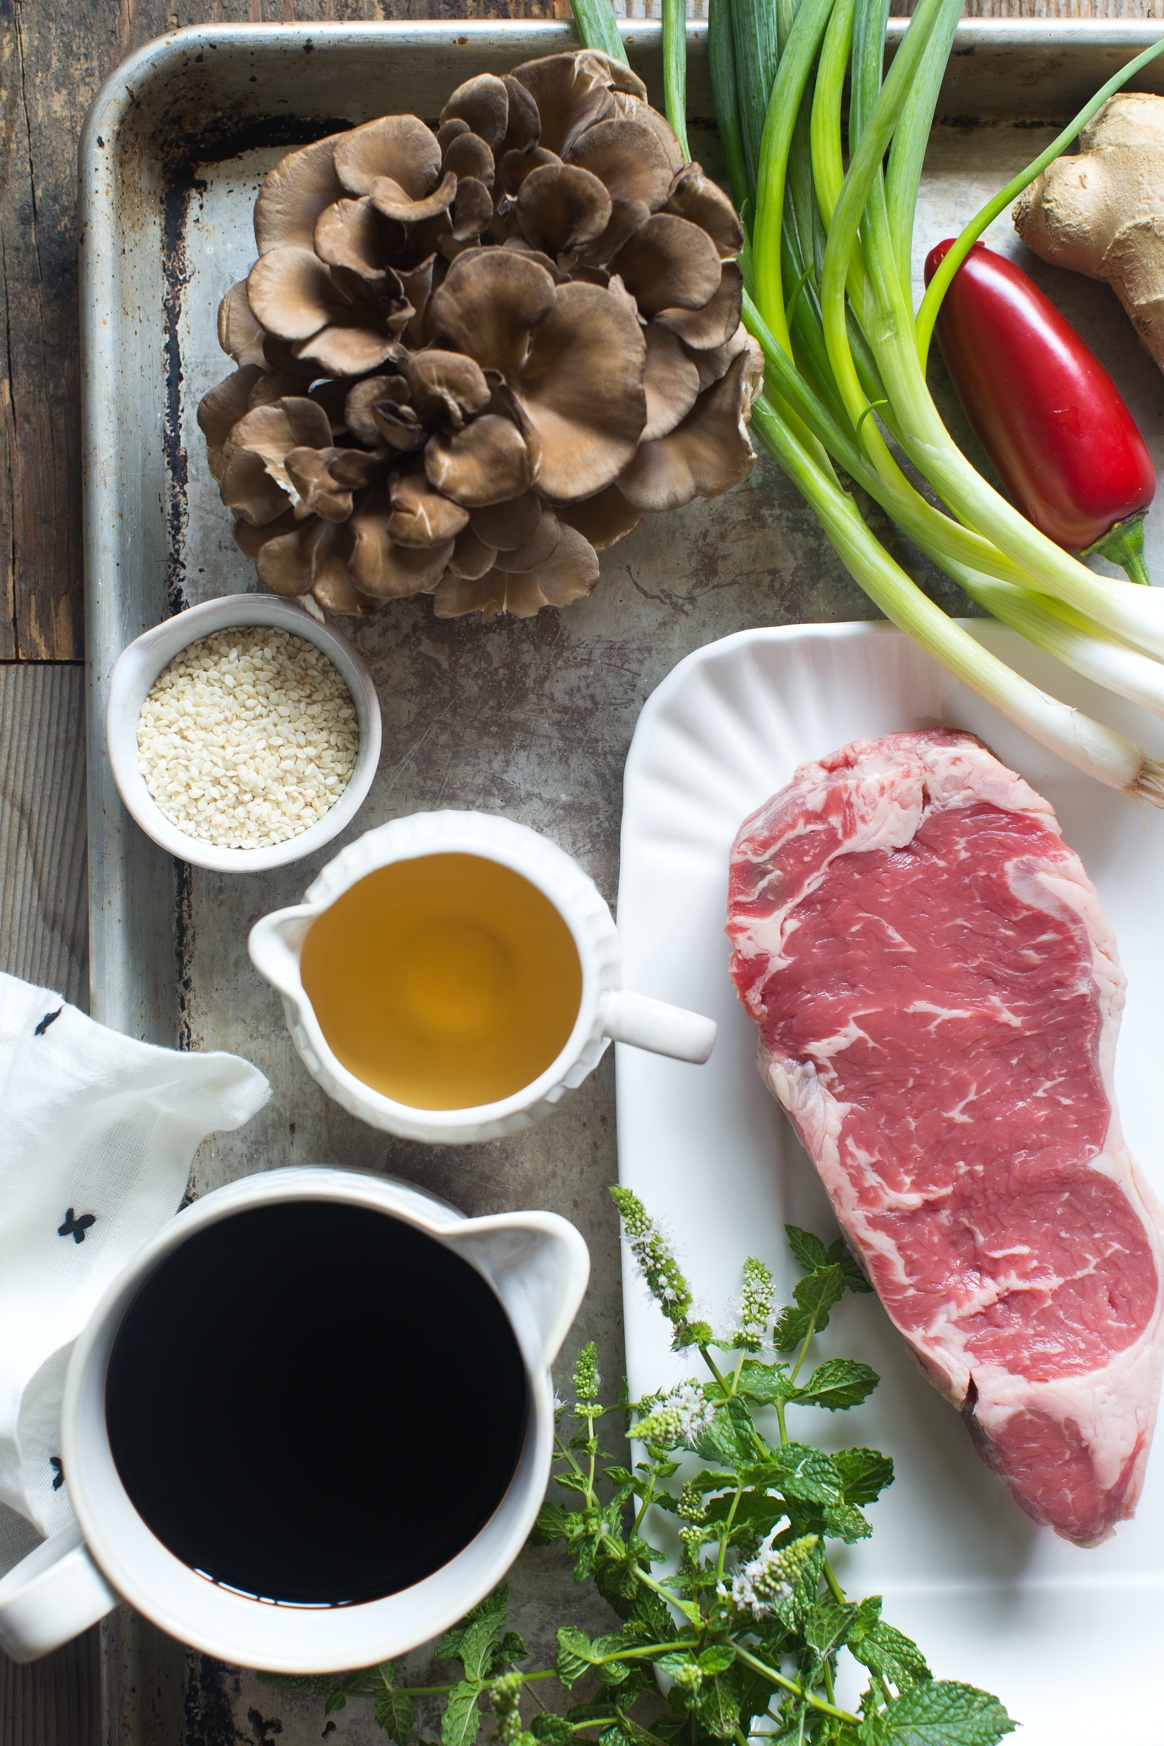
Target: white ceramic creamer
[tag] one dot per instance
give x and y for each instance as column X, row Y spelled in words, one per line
column 607, row 1012
column 536, row 1263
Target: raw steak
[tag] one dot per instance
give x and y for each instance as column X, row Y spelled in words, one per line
column 938, row 996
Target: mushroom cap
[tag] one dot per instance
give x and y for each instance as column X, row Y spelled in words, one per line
column 669, row 264
column 363, row 396
column 712, row 361
column 562, row 206
column 569, row 572
column 240, row 333
column 628, row 160
column 581, row 388
column 603, row 519
column 505, row 526
column 255, row 482
column 696, row 197
column 394, row 201
column 220, row 410
column 707, row 453
column 524, row 126
column 573, row 91
column 489, row 301
column 349, row 348
column 516, row 166
column 471, row 558
column 633, row 110
column 715, row 323
column 312, row 556
column 536, row 551
column 468, row 155
column 291, row 292
column 399, row 427
column 248, row 488
column 398, row 147
column 294, row 194
column 326, row 478
column 670, row 379
column 444, row 387
column 421, row 516
column 347, row 234
column 483, row 103
column 472, row 211
column 486, row 462
column 381, row 568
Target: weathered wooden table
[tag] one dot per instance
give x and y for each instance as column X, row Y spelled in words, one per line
column 53, row 58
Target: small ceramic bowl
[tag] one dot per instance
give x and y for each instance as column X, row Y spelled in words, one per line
column 139, row 665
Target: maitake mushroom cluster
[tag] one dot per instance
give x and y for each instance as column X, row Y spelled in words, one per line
column 470, row 359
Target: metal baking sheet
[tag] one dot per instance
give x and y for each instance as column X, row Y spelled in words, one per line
column 527, row 718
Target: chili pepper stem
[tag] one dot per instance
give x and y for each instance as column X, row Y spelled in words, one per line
column 1123, row 544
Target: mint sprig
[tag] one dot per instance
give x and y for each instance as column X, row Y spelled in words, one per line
column 745, row 1634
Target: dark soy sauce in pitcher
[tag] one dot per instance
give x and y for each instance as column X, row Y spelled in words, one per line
column 315, row 1403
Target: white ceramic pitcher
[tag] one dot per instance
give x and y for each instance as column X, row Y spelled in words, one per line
column 537, row 1264
column 607, row 1012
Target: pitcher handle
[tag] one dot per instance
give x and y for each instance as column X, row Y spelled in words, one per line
column 51, row 1596
column 665, row 1030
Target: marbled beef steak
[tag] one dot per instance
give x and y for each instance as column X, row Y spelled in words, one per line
column 938, row 996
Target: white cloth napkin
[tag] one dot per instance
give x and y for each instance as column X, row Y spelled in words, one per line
column 97, row 1133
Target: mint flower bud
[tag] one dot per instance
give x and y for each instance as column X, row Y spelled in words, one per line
column 760, row 1586
column 754, row 1309
column 586, row 1378
column 678, row 1419
column 656, row 1262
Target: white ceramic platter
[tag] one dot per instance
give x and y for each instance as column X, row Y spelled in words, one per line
column 1067, row 1638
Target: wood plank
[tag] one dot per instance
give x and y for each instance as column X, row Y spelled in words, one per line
column 56, row 1701
column 52, row 59
column 44, row 913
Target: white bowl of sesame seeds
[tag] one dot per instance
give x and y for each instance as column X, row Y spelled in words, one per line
column 242, row 733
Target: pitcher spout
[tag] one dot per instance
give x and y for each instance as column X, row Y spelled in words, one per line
column 275, row 945
column 539, row 1266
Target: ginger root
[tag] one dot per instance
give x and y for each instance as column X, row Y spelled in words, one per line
column 1101, row 211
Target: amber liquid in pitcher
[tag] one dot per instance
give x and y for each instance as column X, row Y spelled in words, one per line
column 443, row 982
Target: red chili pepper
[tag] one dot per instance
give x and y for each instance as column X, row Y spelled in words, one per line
column 1045, row 410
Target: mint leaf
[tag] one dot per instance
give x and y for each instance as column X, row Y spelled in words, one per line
column 476, row 1650
column 865, row 1473
column 718, row 1658
column 396, row 1714
column 449, row 1647
column 729, row 1437
column 815, row 1295
column 807, row 1249
column 554, row 1730
column 614, row 1736
column 462, row 1717
column 575, row 1654
column 942, row 1713
column 806, row 1473
column 843, row 1522
column 838, row 1383
column 719, row 1711
column 854, row 1273
column 652, row 1614
column 888, row 1652
column 765, row 1382
column 553, row 1523
column 827, row 1626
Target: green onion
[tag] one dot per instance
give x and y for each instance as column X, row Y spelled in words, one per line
column 827, row 266
column 675, row 70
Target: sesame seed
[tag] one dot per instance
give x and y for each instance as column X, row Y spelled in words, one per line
column 248, row 738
